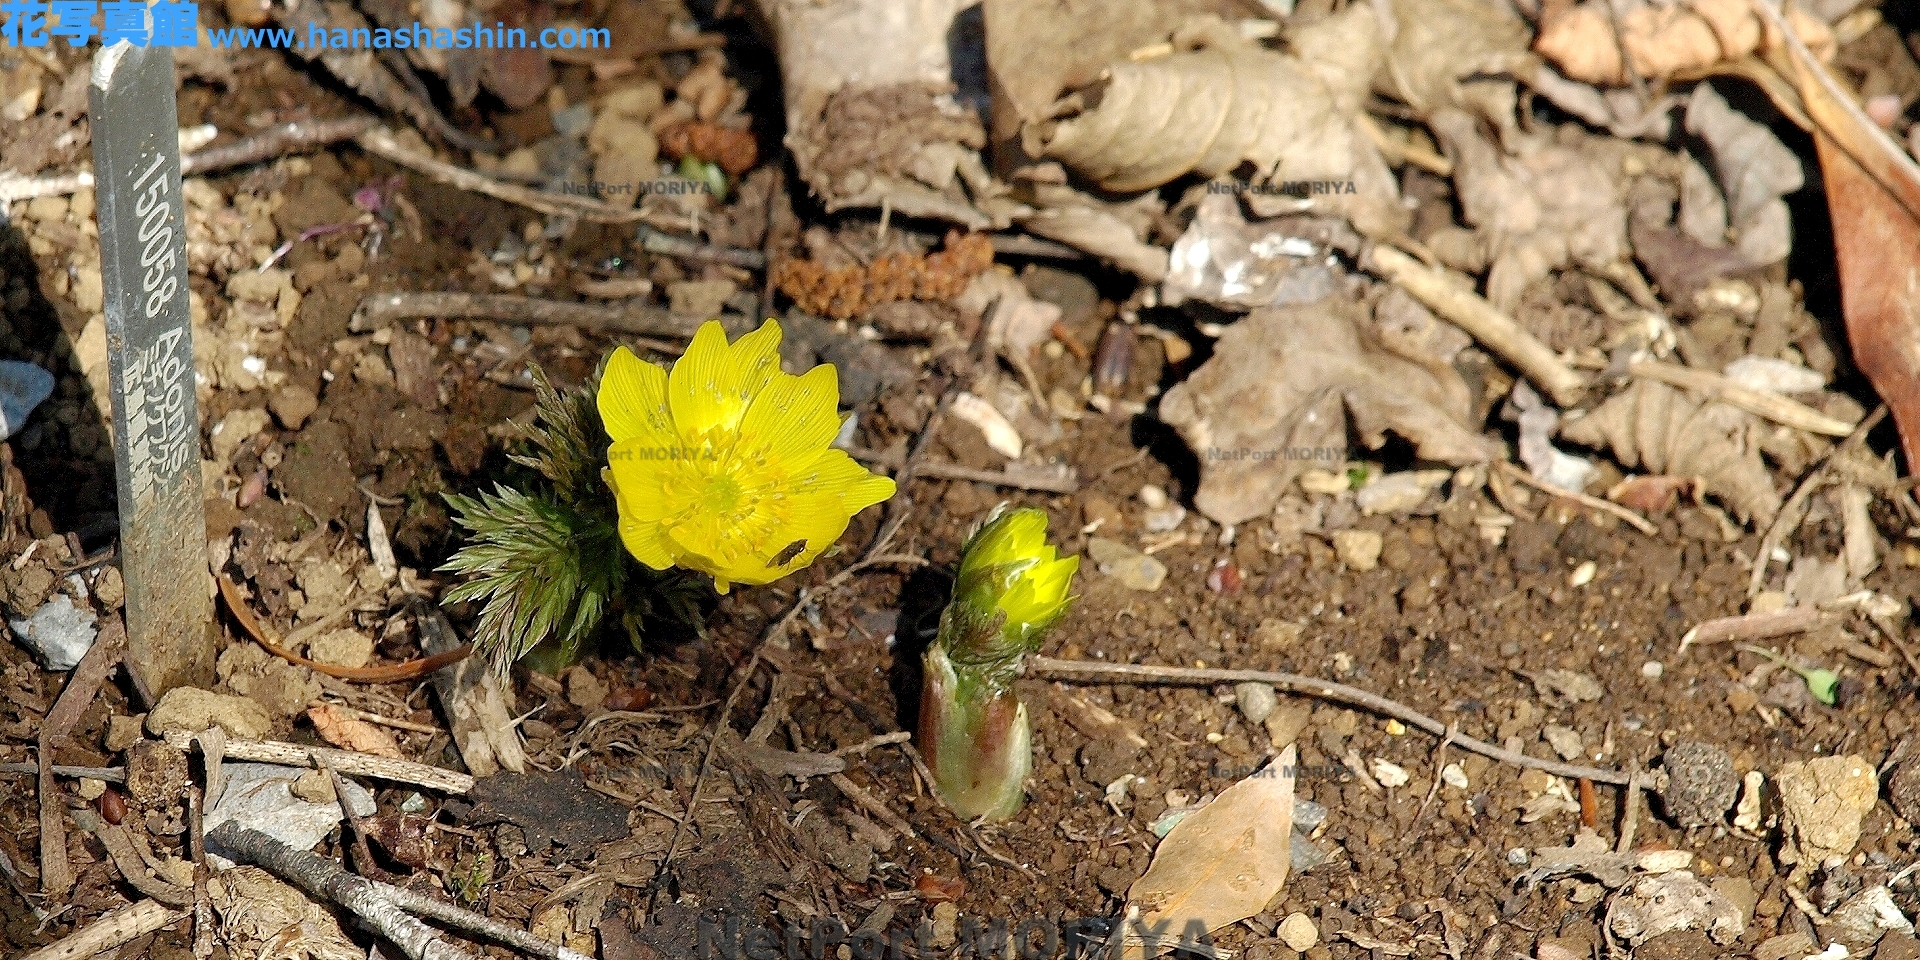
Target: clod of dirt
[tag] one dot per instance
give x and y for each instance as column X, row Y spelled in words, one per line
column 551, row 808
column 283, row 688
column 1701, row 784
column 1821, row 805
column 347, row 648
column 1359, row 550
column 191, row 710
column 1297, row 931
column 1134, row 570
column 1666, row 902
column 1903, row 788
column 1288, row 377
column 292, row 405
column 1865, row 918
column 157, row 774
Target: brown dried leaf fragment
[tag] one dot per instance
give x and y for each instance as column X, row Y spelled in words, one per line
column 736, row 151
column 349, row 733
column 845, row 292
column 1661, row 38
column 1667, row 431
column 1283, row 384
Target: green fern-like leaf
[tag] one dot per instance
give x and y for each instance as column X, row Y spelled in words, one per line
column 543, row 569
column 569, row 441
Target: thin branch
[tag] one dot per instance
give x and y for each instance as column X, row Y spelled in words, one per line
column 1638, row 522
column 345, row 761
column 383, row 309
column 1082, row 670
column 111, row 930
column 56, row 877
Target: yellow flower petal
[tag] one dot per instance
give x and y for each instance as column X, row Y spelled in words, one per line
column 645, row 540
column 724, row 465
column 795, row 417
column 633, row 399
column 712, row 385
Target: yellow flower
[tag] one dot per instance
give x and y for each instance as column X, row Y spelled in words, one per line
column 725, row 466
column 1019, row 569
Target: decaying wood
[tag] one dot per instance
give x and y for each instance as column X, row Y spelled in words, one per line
column 476, row 709
column 56, row 877
column 345, row 761
column 109, row 931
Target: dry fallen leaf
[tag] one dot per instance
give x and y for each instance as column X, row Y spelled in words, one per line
column 1219, row 865
column 1659, row 38
column 1220, row 101
column 349, row 733
column 1276, row 396
column 1873, row 193
column 1668, row 431
column 1556, row 203
column 1756, row 172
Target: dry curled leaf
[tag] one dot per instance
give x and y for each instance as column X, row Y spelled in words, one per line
column 1660, row 39
column 1221, row 101
column 1756, row 172
column 736, row 151
column 1276, row 397
column 1553, row 205
column 349, row 733
column 848, row 291
column 1668, row 431
column 1219, row 865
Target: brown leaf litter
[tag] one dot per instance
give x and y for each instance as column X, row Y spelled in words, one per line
column 1665, row 430
column 1286, row 379
column 843, row 292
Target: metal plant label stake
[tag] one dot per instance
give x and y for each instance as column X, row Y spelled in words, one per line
column 156, row 425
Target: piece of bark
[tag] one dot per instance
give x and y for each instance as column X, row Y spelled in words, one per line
column 476, row 709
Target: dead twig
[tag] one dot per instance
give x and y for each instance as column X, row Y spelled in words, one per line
column 1753, row 626
column 1456, row 302
column 109, row 931
column 346, row 761
column 56, row 877
column 1028, row 479
column 1790, row 515
column 108, row 774
column 381, row 142
column 389, row 673
column 299, row 136
column 383, row 309
column 1070, row 670
column 1637, row 521
column 328, row 881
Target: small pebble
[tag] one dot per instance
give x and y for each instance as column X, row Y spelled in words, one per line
column 1519, row 856
column 1396, row 729
column 1256, row 700
column 1152, row 497
column 1298, row 932
column 1652, row 669
column 1388, row 773
column 1359, row 550
column 1453, row 775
